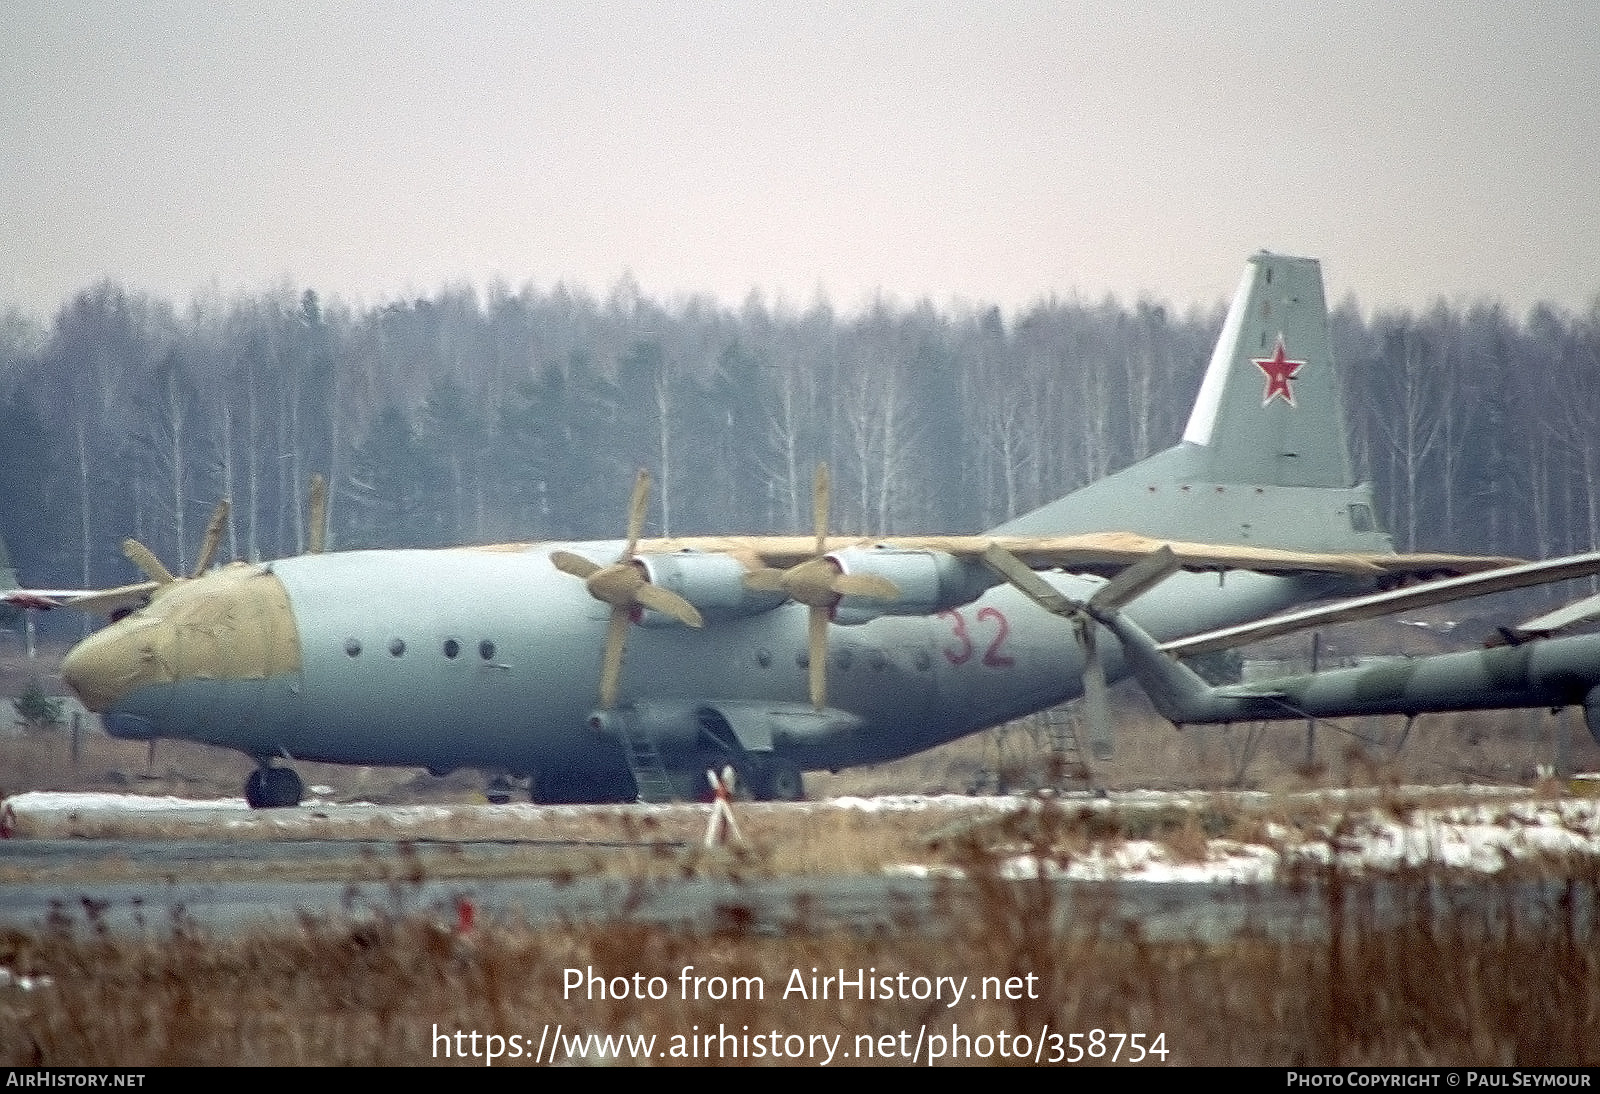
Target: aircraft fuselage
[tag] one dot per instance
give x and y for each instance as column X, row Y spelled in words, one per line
column 491, row 658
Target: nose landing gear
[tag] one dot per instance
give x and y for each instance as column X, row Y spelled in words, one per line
column 273, row 788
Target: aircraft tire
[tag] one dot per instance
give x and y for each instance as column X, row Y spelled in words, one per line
column 255, row 789
column 273, row 788
column 780, row 781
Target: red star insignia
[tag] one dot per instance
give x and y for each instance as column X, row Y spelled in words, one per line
column 1279, row 371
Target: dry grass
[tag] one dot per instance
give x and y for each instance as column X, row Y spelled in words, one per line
column 1408, row 973
column 1440, row 981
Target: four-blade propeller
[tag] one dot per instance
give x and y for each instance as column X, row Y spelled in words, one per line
column 1127, row 586
column 625, row 586
column 819, row 584
column 144, row 558
column 161, row 578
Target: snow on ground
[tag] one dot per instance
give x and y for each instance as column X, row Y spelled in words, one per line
column 1485, row 838
column 61, row 801
column 9, row 979
column 1478, row 837
column 1363, row 829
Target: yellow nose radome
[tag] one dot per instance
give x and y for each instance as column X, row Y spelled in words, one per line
column 113, row 662
column 232, row 624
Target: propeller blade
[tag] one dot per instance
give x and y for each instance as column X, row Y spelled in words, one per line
column 106, row 601
column 1132, row 583
column 668, row 602
column 611, row 665
column 1096, row 701
column 208, row 547
column 764, row 580
column 636, row 511
column 317, row 533
column 576, row 565
column 144, row 558
column 1028, row 583
column 819, row 506
column 817, row 647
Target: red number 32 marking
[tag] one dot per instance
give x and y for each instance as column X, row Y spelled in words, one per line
column 992, row 655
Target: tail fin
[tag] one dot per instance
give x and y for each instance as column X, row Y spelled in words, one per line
column 1263, row 460
column 1269, row 411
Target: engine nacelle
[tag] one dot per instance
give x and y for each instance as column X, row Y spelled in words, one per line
column 712, row 582
column 671, row 726
column 929, row 581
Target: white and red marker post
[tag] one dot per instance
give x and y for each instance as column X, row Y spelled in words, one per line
column 721, row 821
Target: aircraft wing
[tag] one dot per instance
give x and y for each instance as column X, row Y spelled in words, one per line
column 96, row 601
column 1445, row 591
column 1105, row 553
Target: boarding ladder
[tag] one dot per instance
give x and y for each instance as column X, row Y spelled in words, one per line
column 644, row 761
column 1067, row 755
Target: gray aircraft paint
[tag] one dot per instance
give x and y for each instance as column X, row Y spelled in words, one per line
column 915, row 681
column 1252, row 469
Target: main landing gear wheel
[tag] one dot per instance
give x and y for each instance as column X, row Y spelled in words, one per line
column 780, row 780
column 273, row 788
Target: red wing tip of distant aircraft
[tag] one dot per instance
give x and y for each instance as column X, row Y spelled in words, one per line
column 30, row 600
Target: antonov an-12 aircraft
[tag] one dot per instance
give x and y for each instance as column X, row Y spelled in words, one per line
column 624, row 669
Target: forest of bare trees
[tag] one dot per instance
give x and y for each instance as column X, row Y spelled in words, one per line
column 468, row 416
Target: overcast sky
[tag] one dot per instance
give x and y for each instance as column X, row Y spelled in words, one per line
column 981, row 152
